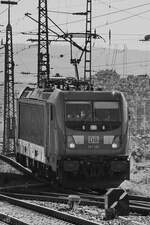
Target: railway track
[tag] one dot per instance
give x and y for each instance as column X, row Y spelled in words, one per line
column 137, row 204
column 6, row 219
column 53, row 215
column 21, row 216
column 62, row 216
column 58, row 199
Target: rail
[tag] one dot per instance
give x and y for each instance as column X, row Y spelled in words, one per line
column 138, row 204
column 11, row 220
column 48, row 211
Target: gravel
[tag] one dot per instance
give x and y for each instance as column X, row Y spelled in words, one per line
column 28, row 216
column 95, row 214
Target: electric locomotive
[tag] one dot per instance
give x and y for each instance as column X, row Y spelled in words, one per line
column 74, row 138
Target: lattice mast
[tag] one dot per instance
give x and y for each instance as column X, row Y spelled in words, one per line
column 88, row 42
column 43, row 45
column 9, row 106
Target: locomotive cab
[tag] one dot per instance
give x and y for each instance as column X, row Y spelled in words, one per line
column 96, row 129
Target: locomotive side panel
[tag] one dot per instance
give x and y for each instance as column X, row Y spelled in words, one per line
column 56, row 130
column 31, row 123
column 31, row 140
column 59, row 126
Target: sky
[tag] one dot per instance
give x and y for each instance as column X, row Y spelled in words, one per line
column 129, row 21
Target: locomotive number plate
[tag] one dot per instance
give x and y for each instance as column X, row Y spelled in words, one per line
column 93, row 139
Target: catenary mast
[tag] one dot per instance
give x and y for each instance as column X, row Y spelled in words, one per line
column 43, row 45
column 9, row 106
column 88, row 42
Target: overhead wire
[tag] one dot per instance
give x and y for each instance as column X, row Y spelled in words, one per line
column 7, row 9
column 119, row 20
column 122, row 19
column 115, row 12
column 101, row 15
column 129, row 17
column 124, row 10
column 3, row 11
column 121, row 10
column 105, row 14
column 19, row 1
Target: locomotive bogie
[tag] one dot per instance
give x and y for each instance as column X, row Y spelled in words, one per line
column 96, row 173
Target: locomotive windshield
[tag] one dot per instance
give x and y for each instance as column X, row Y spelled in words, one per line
column 107, row 111
column 78, row 111
column 81, row 114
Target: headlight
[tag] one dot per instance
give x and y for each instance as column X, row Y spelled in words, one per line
column 114, row 145
column 70, row 142
column 72, row 145
column 116, row 142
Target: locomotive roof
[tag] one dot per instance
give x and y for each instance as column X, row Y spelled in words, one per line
column 43, row 95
